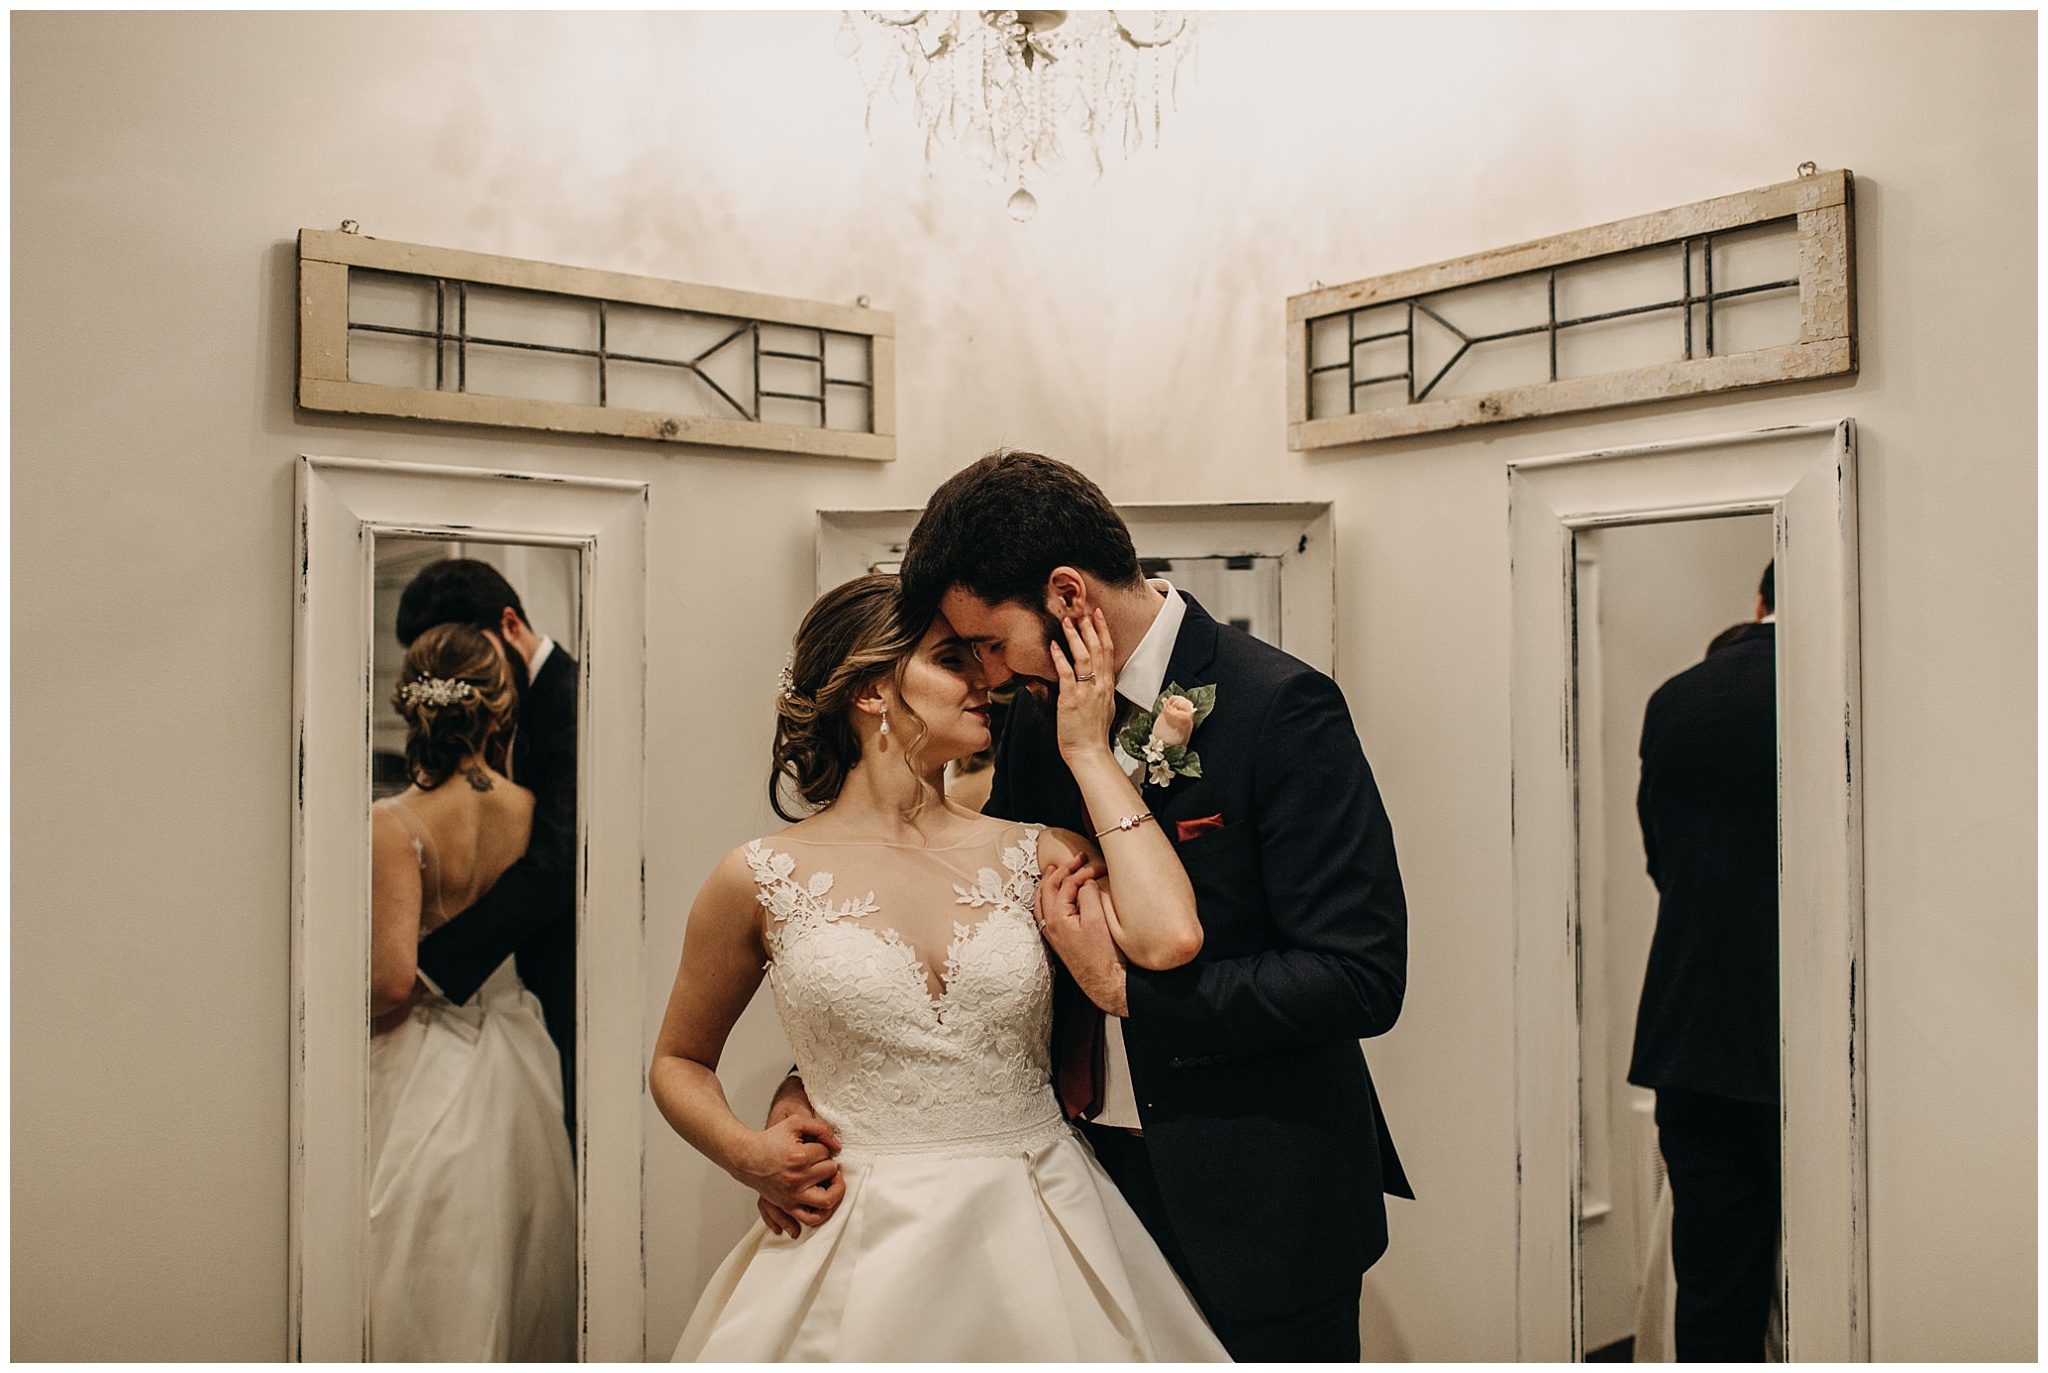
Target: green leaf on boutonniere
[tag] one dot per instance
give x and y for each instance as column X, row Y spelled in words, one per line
column 1133, row 737
column 1184, row 760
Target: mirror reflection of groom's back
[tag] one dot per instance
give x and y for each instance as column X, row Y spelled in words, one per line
column 530, row 912
column 1706, row 1038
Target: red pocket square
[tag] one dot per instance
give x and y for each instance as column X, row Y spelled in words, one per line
column 1188, row 829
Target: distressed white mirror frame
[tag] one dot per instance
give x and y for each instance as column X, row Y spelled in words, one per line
column 1805, row 477
column 1298, row 533
column 343, row 506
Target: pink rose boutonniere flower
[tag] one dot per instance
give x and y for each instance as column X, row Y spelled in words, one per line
column 1160, row 736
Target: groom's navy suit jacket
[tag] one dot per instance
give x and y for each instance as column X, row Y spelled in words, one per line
column 1261, row 1121
column 1708, row 802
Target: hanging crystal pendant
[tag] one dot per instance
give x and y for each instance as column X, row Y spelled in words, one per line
column 1023, row 205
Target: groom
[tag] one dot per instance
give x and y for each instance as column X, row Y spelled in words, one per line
column 1231, row 1103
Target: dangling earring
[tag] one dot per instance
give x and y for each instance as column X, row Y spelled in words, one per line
column 885, row 719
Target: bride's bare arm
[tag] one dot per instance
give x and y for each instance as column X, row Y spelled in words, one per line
column 394, row 916
column 790, row 1163
column 1153, row 916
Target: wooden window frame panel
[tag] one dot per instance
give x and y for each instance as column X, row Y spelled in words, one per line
column 326, row 257
column 1823, row 204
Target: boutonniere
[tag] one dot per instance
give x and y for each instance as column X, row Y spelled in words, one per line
column 1159, row 737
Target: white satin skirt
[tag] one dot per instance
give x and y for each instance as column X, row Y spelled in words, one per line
column 472, row 1187
column 1027, row 1256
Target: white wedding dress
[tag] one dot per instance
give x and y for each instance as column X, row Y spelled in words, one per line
column 472, row 1187
column 976, row 1224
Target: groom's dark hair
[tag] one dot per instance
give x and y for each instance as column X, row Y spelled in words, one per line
column 464, row 591
column 999, row 527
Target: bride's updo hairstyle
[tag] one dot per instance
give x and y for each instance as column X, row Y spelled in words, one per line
column 456, row 695
column 849, row 638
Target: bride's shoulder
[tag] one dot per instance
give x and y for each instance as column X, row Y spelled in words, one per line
column 1047, row 844
column 735, row 873
column 756, row 861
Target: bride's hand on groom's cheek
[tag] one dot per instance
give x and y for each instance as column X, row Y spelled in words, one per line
column 1087, row 677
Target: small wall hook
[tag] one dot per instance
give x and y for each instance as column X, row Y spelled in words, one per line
column 1809, row 169
column 350, row 226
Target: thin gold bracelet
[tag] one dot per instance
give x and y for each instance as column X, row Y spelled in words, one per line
column 1129, row 822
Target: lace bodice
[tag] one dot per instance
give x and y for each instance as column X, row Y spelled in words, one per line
column 914, row 988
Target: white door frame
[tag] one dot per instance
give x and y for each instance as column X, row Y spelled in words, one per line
column 1805, row 477
column 343, row 505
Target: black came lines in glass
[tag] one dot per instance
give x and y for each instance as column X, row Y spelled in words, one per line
column 748, row 329
column 1688, row 300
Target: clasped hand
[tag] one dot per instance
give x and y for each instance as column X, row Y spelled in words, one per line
column 1074, row 911
column 791, row 1164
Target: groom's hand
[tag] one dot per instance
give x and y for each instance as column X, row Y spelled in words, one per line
column 790, row 1099
column 1070, row 912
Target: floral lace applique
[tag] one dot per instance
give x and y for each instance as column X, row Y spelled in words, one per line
column 785, row 900
column 1017, row 891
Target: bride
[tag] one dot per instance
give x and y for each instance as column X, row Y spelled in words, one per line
column 472, row 1206
column 967, row 1220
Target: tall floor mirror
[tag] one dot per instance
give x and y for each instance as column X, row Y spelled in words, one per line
column 466, row 940
column 1688, row 899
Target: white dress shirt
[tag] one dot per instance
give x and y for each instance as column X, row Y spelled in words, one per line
column 1140, row 682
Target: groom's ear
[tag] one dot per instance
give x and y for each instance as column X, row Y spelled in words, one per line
column 1067, row 593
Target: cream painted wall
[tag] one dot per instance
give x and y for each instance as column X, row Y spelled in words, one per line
column 163, row 162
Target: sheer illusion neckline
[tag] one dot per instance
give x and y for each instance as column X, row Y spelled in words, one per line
column 967, row 843
column 791, row 901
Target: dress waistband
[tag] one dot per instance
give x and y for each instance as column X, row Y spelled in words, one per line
column 1022, row 1139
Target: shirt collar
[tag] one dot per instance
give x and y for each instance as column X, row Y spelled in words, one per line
column 1769, row 619
column 540, row 655
column 1144, row 671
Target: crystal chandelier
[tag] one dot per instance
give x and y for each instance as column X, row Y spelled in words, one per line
column 1010, row 87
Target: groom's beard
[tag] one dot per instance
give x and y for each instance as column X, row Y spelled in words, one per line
column 515, row 663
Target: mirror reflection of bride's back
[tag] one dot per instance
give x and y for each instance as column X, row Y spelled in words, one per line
column 472, row 1211
column 444, row 841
